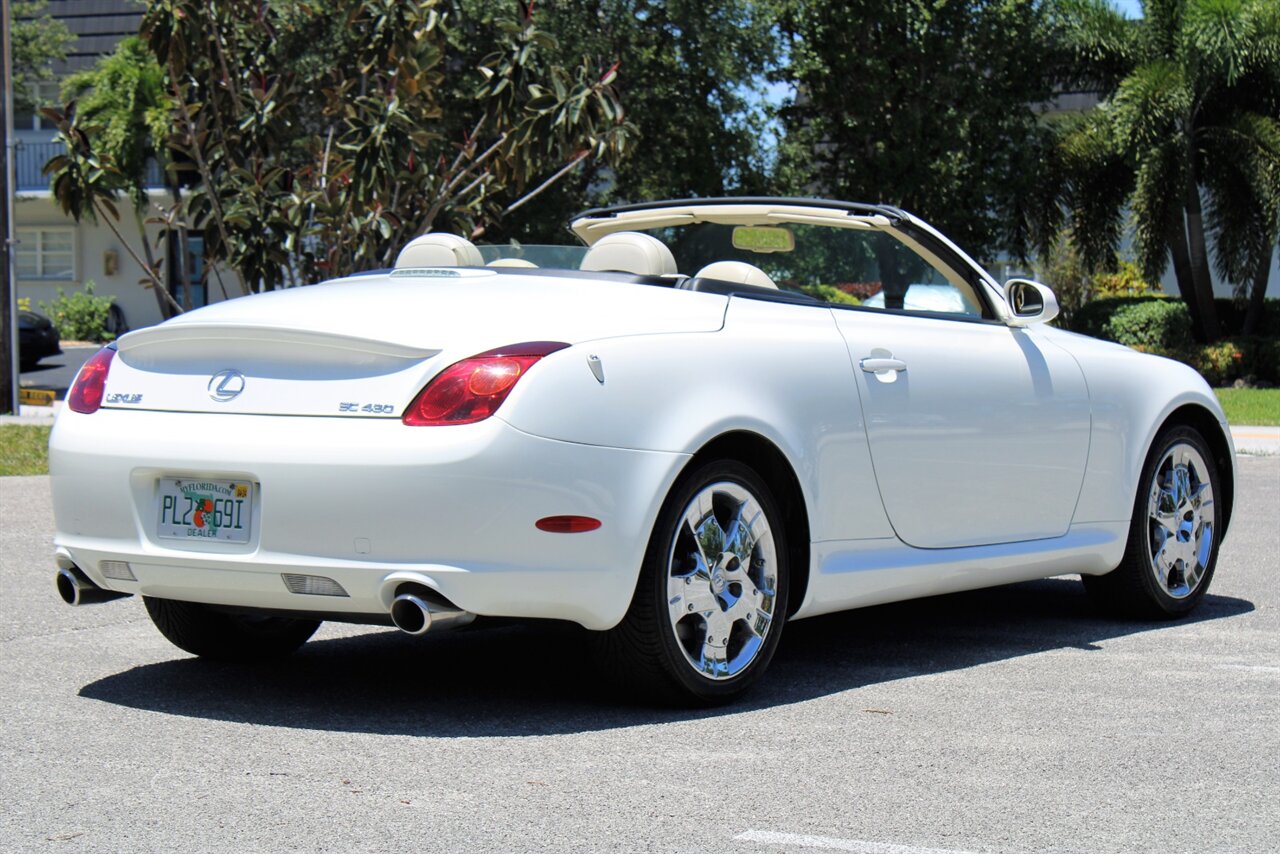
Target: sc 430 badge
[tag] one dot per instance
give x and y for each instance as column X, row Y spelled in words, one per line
column 116, row 397
column 369, row 408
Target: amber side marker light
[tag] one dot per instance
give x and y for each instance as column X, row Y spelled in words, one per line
column 567, row 524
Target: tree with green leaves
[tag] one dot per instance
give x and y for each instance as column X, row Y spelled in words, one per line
column 123, row 98
column 308, row 173
column 930, row 106
column 691, row 78
column 37, row 41
column 1187, row 140
column 322, row 137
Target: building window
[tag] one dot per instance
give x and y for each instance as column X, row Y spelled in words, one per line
column 46, row 254
column 44, row 93
column 188, row 290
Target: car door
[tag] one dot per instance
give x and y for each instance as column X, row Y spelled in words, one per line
column 979, row 432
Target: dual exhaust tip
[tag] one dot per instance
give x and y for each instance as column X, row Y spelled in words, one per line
column 416, row 609
column 75, row 588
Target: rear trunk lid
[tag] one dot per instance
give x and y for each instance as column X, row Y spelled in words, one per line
column 364, row 346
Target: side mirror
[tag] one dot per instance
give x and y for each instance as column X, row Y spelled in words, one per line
column 1029, row 302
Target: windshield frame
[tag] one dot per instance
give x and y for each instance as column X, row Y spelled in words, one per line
column 590, row 225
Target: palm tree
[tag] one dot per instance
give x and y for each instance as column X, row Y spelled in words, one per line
column 1187, row 137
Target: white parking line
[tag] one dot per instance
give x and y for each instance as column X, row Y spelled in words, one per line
column 831, row 843
column 1252, row 668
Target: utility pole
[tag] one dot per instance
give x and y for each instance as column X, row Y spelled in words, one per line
column 8, row 280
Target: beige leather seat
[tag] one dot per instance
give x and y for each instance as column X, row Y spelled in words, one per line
column 439, row 249
column 630, row 252
column 737, row 271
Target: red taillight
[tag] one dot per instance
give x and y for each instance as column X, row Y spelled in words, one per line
column 86, row 392
column 473, row 389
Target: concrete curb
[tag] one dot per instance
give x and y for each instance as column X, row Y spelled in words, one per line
column 33, row 414
column 1264, row 441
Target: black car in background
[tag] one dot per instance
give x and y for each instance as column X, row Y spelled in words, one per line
column 37, row 338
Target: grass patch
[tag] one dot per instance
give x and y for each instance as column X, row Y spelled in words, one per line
column 1251, row 406
column 24, row 449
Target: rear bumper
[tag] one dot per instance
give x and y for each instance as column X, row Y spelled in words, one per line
column 368, row 503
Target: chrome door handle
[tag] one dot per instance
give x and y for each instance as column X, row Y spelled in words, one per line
column 876, row 365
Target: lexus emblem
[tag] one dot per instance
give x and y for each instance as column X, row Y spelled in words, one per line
column 226, row 385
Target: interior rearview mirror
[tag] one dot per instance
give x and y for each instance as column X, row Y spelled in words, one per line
column 1029, row 302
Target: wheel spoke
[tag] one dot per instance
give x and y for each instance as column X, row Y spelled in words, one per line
column 714, row 659
column 1167, row 522
column 1204, row 548
column 1164, row 557
column 1191, row 571
column 758, row 622
column 690, row 594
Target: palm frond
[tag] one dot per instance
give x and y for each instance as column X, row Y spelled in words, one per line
column 1213, row 38
column 1100, row 43
column 1241, row 173
column 1157, row 203
column 1161, row 23
column 1151, row 105
column 1097, row 181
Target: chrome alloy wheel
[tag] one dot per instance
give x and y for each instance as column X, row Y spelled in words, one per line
column 722, row 580
column 1180, row 517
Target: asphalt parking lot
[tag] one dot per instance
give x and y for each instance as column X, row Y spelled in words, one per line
column 1006, row 720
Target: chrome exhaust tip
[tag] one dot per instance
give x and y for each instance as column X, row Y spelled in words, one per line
column 410, row 614
column 415, row 614
column 75, row 588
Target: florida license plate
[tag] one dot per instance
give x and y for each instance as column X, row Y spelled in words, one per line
column 218, row 510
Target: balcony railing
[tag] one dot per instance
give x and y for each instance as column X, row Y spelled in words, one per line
column 31, row 157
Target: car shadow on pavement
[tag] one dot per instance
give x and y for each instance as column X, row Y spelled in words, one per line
column 521, row 680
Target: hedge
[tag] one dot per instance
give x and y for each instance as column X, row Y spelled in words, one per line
column 1161, row 325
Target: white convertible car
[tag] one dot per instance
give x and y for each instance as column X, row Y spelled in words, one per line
column 661, row 438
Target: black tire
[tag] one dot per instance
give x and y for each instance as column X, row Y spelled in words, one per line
column 650, row 652
column 1139, row 587
column 223, row 636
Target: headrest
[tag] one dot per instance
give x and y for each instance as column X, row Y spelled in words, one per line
column 630, row 252
column 439, row 249
column 511, row 262
column 737, row 271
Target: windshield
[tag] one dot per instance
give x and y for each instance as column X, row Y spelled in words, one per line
column 864, row 266
column 533, row 254
column 851, row 263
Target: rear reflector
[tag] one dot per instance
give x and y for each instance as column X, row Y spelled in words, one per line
column 117, row 569
column 567, row 524
column 312, row 585
column 86, row 392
